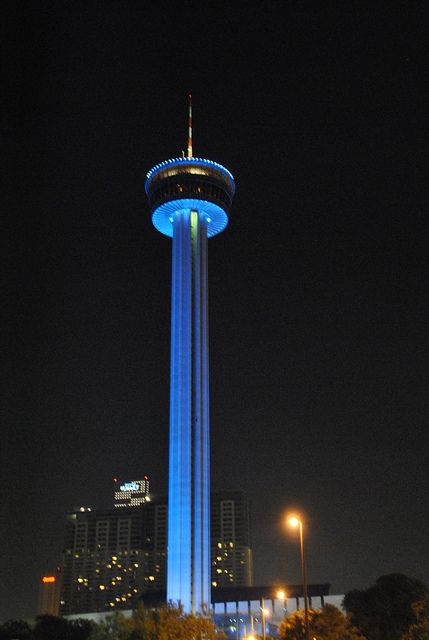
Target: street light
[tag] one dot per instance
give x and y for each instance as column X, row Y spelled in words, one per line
column 281, row 595
column 264, row 613
column 297, row 522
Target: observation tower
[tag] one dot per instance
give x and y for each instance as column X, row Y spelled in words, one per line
column 190, row 199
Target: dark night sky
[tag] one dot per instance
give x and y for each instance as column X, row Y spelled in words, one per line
column 318, row 286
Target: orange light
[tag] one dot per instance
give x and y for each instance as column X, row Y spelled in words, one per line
column 48, row 579
column 293, row 521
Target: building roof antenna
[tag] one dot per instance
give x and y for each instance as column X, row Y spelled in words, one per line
column 190, row 127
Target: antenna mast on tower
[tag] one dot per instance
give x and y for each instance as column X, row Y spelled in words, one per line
column 190, row 127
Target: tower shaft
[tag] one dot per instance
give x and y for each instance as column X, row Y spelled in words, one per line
column 188, row 575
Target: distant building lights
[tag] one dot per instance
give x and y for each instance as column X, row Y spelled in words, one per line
column 47, row 579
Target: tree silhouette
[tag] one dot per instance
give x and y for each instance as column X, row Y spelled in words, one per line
column 385, row 610
column 327, row 623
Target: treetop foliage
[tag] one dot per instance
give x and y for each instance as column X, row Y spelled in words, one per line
column 166, row 623
column 327, row 623
column 386, row 610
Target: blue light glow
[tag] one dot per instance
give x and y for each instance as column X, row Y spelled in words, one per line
column 190, row 222
column 188, row 568
column 163, row 216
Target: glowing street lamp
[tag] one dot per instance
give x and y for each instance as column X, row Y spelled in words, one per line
column 295, row 522
column 265, row 612
column 281, row 595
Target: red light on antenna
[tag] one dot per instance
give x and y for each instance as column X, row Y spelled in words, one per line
column 46, row 579
column 115, row 480
column 146, row 478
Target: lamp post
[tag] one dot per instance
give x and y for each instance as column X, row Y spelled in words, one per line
column 296, row 522
column 264, row 611
column 281, row 595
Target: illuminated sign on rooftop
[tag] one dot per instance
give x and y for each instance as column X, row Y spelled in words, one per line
column 46, row 579
column 130, row 486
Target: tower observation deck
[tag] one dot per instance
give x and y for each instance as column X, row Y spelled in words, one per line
column 190, row 200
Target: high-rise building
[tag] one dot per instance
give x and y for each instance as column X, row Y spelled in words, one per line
column 113, row 556
column 131, row 493
column 49, row 593
column 231, row 552
column 190, row 200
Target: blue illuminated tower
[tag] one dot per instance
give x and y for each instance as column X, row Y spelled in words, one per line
column 190, row 199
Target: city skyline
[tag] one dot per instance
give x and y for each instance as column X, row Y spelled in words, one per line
column 318, row 300
column 112, row 557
